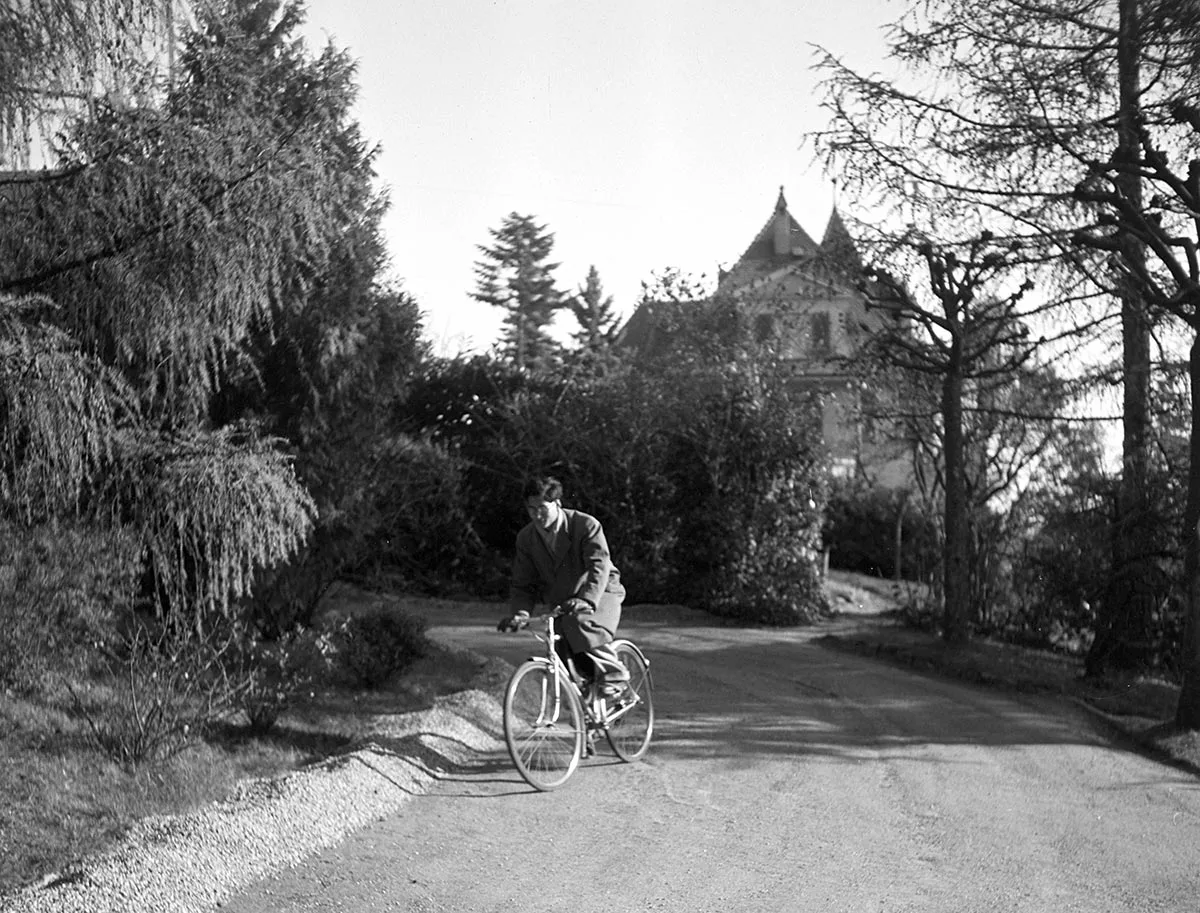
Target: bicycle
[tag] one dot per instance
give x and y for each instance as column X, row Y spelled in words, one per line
column 553, row 716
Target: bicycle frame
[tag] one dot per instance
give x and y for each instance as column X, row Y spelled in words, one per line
column 596, row 712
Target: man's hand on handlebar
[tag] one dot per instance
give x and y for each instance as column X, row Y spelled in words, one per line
column 513, row 622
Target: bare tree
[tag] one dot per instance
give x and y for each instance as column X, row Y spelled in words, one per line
column 1002, row 108
column 962, row 327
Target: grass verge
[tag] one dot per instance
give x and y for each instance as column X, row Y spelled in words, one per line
column 63, row 799
column 1138, row 709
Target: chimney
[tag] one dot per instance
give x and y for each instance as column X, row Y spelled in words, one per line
column 783, row 227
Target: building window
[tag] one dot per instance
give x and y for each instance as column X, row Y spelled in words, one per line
column 820, row 337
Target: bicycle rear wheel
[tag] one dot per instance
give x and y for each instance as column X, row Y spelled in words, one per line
column 629, row 734
column 543, row 725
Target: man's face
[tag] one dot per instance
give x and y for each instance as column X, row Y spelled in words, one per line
column 543, row 513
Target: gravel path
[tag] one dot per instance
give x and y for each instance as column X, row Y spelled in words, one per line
column 193, row 862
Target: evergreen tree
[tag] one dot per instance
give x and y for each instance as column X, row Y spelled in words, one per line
column 55, row 53
column 594, row 313
column 515, row 275
column 191, row 248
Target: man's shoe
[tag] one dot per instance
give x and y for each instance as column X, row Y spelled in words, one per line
column 612, row 691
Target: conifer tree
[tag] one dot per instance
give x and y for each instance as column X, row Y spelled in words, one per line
column 593, row 311
column 515, row 274
column 173, row 242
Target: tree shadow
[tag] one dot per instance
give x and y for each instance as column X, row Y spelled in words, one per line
column 742, row 702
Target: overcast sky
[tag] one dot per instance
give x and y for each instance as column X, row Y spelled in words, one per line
column 645, row 134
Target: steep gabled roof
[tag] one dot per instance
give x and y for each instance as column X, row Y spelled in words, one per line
column 765, row 246
column 839, row 248
column 781, row 254
column 780, row 243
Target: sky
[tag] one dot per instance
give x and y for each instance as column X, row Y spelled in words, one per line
column 644, row 134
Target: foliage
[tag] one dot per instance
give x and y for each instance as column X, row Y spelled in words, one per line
column 593, row 311
column 423, row 529
column 276, row 673
column 700, row 468
column 473, row 407
column 514, row 274
column 860, row 531
column 745, row 482
column 336, row 411
column 62, row 586
column 60, row 412
column 212, row 510
column 371, row 647
column 1072, row 124
column 213, row 254
column 162, row 693
column 53, row 52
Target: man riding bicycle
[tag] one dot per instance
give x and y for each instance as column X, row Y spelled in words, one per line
column 562, row 559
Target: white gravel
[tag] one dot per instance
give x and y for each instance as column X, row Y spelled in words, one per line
column 193, row 862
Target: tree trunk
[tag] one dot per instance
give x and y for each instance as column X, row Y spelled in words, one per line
column 1187, row 713
column 1124, row 637
column 956, row 626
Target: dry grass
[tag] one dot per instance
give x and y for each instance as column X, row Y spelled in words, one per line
column 63, row 798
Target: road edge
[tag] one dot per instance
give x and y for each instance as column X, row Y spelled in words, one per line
column 193, row 862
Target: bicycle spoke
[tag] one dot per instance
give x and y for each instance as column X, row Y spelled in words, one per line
column 543, row 726
column 631, row 723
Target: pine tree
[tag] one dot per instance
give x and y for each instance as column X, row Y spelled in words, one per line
column 515, row 275
column 594, row 313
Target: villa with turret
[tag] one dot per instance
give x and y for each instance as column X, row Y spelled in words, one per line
column 807, row 297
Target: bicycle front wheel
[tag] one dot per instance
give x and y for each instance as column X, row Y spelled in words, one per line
column 633, row 713
column 543, row 725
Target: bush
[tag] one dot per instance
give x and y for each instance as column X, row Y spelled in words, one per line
column 860, row 532
column 373, row 646
column 673, row 457
column 755, row 559
column 61, row 588
column 275, row 673
column 162, row 693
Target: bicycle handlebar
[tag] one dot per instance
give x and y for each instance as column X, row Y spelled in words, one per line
column 518, row 622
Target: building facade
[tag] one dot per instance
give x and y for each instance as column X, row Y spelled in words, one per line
column 806, row 297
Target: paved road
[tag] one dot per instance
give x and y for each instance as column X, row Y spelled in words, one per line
column 785, row 777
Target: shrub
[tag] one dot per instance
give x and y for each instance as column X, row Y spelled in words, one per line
column 275, row 673
column 162, row 693
column 860, row 532
column 755, row 560
column 61, row 588
column 371, row 647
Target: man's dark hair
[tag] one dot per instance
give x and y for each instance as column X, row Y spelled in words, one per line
column 547, row 488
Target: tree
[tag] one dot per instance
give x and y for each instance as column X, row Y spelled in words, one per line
column 1167, row 230
column 514, row 275
column 1054, row 98
column 593, row 311
column 966, row 330
column 54, row 54
column 186, row 244
column 1027, row 94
